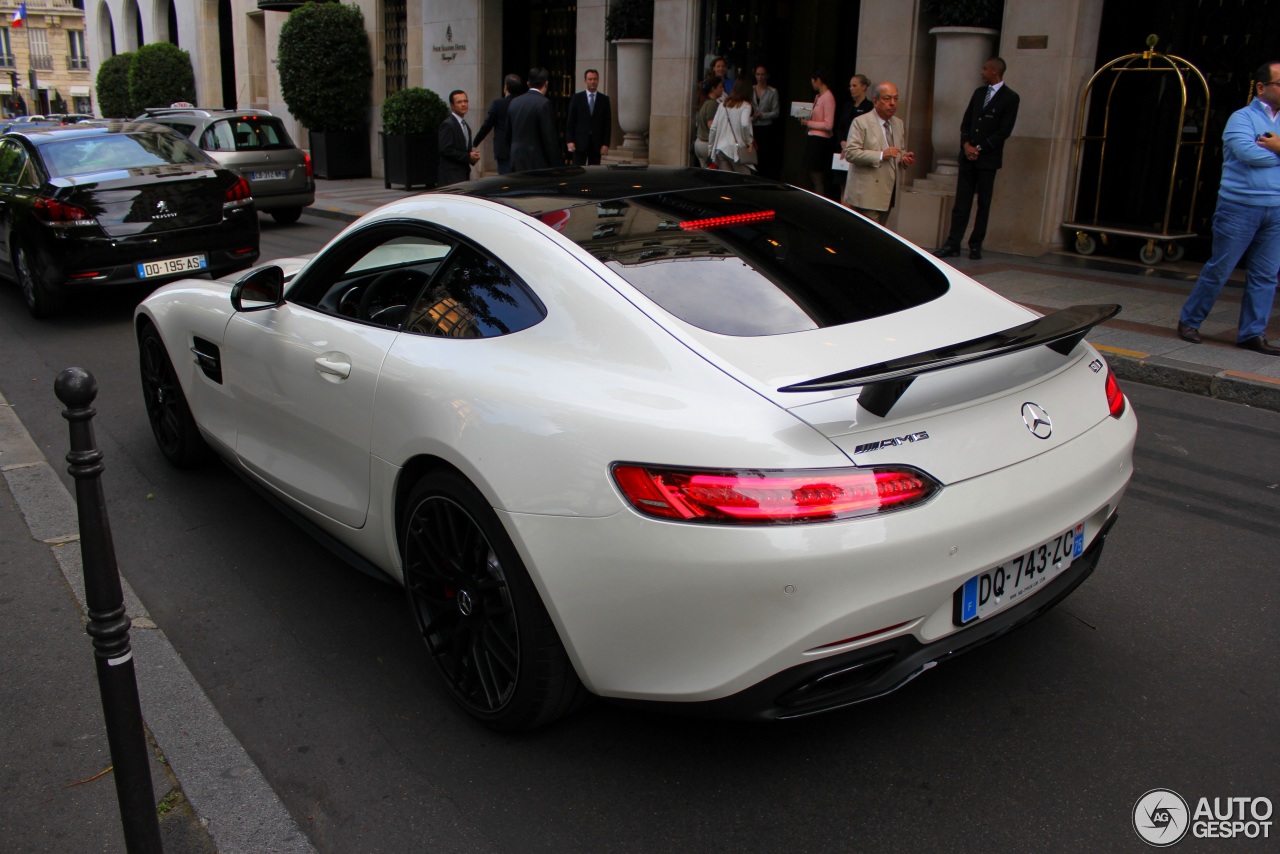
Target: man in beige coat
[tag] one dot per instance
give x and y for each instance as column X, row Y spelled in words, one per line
column 875, row 152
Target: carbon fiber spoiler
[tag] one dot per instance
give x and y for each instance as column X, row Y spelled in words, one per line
column 884, row 384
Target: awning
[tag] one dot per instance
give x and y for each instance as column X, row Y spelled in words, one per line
column 6, row 88
column 79, row 91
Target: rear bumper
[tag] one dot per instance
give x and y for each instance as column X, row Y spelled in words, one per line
column 873, row 671
column 266, row 201
column 69, row 259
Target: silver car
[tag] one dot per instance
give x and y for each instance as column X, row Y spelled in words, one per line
column 255, row 144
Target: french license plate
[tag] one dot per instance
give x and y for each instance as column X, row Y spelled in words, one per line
column 171, row 266
column 996, row 589
column 272, row 175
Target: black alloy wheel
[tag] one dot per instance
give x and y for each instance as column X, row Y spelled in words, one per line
column 478, row 612
column 43, row 299
column 167, row 411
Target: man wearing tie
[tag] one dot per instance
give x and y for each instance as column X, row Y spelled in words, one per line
column 987, row 123
column 457, row 155
column 590, row 123
column 875, row 151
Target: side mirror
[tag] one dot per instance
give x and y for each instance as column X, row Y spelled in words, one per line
column 261, row 288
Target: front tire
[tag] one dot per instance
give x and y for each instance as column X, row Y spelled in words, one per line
column 173, row 426
column 478, row 612
column 44, row 300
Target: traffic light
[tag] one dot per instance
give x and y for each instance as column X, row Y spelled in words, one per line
column 13, row 76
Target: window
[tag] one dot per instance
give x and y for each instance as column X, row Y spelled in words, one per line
column 474, row 297
column 403, row 277
column 115, row 151
column 6, row 50
column 15, row 166
column 77, row 58
column 38, row 44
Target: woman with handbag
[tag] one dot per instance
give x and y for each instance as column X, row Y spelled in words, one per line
column 731, row 140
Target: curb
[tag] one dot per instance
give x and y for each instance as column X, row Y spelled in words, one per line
column 1231, row 386
column 222, row 784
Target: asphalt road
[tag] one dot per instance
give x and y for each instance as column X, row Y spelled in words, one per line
column 1160, row 671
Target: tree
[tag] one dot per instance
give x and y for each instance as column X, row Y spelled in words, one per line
column 113, row 87
column 161, row 75
column 325, row 66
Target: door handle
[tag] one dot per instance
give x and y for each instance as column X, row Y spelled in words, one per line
column 325, row 365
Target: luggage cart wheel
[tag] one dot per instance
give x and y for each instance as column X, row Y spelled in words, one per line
column 1174, row 252
column 1150, row 254
column 1085, row 244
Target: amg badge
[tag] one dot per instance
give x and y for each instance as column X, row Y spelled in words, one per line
column 891, row 442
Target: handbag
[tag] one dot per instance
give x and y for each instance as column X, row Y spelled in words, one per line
column 742, row 153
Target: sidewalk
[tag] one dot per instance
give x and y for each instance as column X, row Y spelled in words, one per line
column 56, row 789
column 1141, row 343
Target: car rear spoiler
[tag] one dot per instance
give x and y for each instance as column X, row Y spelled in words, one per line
column 884, row 384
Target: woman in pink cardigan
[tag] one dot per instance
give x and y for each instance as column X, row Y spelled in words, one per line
column 817, row 152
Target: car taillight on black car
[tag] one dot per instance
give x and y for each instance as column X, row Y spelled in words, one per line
column 54, row 212
column 238, row 194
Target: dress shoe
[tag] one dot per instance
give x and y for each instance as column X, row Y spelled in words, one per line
column 1258, row 344
column 1189, row 333
column 946, row 251
column 975, row 253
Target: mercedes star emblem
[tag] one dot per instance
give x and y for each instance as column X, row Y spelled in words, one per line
column 1037, row 420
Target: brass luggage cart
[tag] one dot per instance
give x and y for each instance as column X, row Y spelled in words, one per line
column 1158, row 244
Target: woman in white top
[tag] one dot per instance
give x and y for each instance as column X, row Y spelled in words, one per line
column 731, row 129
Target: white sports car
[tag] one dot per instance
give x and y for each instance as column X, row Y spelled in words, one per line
column 663, row 435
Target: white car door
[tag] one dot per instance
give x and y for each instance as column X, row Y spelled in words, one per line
column 304, row 374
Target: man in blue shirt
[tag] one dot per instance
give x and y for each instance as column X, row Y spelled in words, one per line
column 1247, row 219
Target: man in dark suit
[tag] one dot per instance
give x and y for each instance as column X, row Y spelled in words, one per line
column 532, row 118
column 988, row 122
column 457, row 155
column 590, row 123
column 496, row 121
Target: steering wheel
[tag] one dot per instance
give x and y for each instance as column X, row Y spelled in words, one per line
column 390, row 290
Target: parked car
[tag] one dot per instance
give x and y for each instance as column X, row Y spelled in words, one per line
column 96, row 205
column 68, row 118
column 257, row 145
column 747, row 454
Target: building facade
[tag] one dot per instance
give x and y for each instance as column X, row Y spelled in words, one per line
column 44, row 62
column 1051, row 50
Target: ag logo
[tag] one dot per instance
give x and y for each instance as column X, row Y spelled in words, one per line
column 1161, row 817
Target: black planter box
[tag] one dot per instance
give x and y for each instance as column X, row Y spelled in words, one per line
column 340, row 153
column 410, row 159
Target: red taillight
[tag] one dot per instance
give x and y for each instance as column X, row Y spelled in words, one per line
column 308, row 158
column 770, row 497
column 727, row 221
column 55, row 212
column 238, row 193
column 1115, row 397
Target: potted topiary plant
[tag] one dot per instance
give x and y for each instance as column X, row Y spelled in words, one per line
column 160, row 75
column 410, row 153
column 113, row 87
column 325, row 73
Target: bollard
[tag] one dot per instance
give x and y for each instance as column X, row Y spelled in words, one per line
column 108, row 624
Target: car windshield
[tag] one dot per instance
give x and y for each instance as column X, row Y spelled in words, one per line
column 757, row 260
column 83, row 155
column 246, row 133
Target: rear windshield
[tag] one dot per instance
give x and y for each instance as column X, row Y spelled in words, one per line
column 108, row 152
column 748, row 261
column 245, row 133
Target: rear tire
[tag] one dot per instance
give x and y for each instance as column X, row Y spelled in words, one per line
column 171, row 422
column 44, row 300
column 286, row 216
column 478, row 612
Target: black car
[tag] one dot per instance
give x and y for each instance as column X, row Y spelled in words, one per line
column 114, row 204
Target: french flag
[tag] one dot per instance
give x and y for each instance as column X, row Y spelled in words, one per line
column 19, row 15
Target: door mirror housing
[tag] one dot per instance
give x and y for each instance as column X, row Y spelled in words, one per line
column 261, row 288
